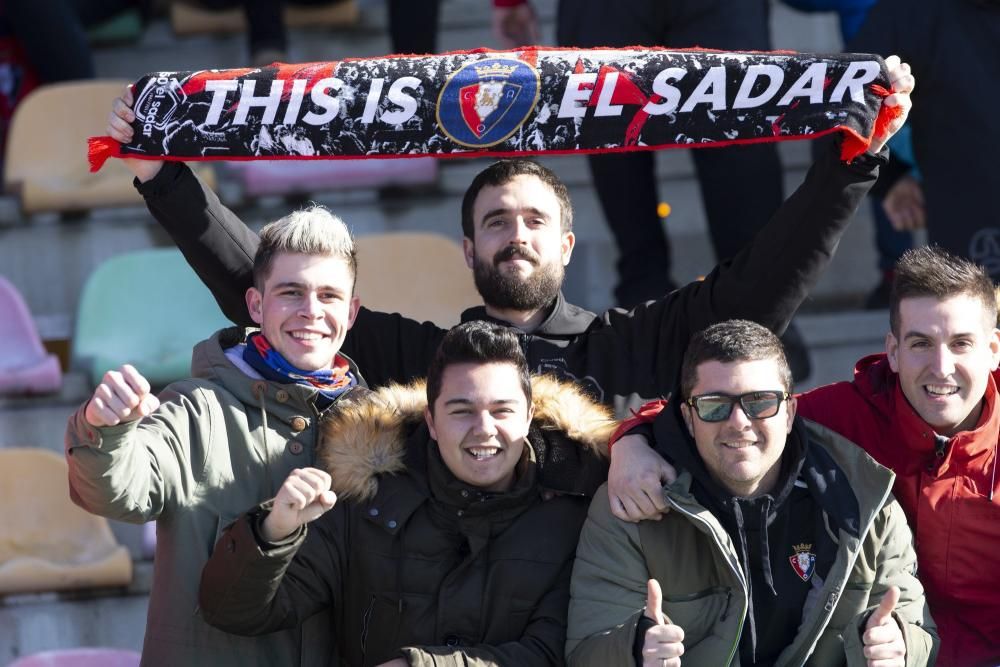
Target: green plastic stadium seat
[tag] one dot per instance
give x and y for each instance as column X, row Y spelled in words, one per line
column 148, row 309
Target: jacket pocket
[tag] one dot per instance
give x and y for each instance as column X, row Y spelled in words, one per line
column 854, row 599
column 698, row 613
column 388, row 622
column 972, row 539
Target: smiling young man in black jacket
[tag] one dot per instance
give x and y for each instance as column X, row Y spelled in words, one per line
column 517, row 228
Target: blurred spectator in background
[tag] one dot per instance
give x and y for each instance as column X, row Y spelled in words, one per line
column 412, row 25
column 46, row 42
column 53, row 33
column 905, row 211
column 741, row 186
column 954, row 49
column 17, row 76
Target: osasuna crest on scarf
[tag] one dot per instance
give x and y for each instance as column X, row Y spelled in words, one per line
column 484, row 102
column 803, row 561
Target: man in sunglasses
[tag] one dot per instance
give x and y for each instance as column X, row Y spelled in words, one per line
column 782, row 543
column 927, row 409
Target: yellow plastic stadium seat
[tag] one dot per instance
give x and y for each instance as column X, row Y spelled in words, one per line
column 46, row 542
column 188, row 18
column 46, row 161
column 419, row 275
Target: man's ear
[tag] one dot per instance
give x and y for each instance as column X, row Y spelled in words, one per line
column 892, row 351
column 994, row 345
column 469, row 250
column 688, row 417
column 567, row 245
column 429, row 418
column 352, row 313
column 791, row 406
column 255, row 305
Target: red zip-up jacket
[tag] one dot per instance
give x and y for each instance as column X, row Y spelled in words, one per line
column 951, row 499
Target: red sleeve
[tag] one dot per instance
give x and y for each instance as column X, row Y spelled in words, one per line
column 644, row 415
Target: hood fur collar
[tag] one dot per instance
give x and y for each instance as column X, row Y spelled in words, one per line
column 367, row 437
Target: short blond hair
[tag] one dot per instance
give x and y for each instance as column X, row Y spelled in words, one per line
column 308, row 231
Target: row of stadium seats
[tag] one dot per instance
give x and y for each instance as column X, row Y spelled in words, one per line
column 46, row 163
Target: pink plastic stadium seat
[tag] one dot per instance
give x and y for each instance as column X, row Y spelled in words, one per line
column 25, row 366
column 80, row 657
column 280, row 177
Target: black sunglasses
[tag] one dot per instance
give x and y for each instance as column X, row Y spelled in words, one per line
column 755, row 404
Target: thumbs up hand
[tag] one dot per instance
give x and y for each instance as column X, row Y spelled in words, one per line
column 883, row 639
column 664, row 641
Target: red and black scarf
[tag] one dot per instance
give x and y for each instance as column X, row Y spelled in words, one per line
column 504, row 103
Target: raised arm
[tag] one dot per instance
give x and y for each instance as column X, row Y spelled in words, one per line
column 215, row 242
column 768, row 279
column 131, row 470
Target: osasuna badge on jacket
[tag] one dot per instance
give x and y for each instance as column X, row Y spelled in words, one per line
column 803, row 561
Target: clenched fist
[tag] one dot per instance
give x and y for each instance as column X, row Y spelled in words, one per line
column 123, row 396
column 305, row 496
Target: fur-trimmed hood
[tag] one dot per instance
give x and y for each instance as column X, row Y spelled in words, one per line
column 367, row 437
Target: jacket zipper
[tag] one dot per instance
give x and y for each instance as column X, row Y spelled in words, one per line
column 834, row 596
column 735, row 570
column 365, row 620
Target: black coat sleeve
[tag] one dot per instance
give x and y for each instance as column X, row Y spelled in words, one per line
column 250, row 589
column 214, row 241
column 765, row 282
column 391, row 348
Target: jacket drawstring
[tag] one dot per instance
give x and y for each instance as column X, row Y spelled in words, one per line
column 765, row 545
column 745, row 558
column 260, row 391
column 765, row 557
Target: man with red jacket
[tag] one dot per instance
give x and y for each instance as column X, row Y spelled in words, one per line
column 927, row 408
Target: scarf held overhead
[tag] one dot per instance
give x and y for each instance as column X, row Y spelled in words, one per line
column 502, row 104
